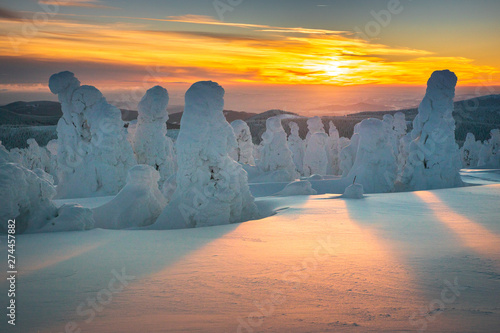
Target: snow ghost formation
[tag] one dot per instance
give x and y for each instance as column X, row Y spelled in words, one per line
column 388, row 121
column 348, row 155
column 93, row 152
column 212, row 188
column 152, row 146
column 138, row 204
column 315, row 157
column 26, row 196
column 434, row 158
column 275, row 156
column 297, row 147
column 489, row 154
column 333, row 150
column 470, row 151
column 314, row 125
column 375, row 166
column 243, row 153
column 400, row 128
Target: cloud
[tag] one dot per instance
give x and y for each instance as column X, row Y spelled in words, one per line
column 77, row 3
column 9, row 14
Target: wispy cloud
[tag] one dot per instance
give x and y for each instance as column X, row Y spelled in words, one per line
column 77, row 3
column 252, row 53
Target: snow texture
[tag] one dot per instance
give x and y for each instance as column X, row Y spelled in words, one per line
column 299, row 187
column 138, row 204
column 297, row 147
column 375, row 166
column 212, row 188
column 275, row 156
column 434, row 158
column 243, row 153
column 151, row 144
column 93, row 152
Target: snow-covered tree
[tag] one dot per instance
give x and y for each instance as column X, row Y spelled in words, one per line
column 93, row 152
column 243, row 153
column 489, row 154
column 400, row 126
column 152, row 146
column 375, row 166
column 333, row 150
column 26, row 196
column 212, row 188
column 348, row 155
column 138, row 204
column 404, row 145
column 297, row 147
column 314, row 125
column 315, row 157
column 388, row 121
column 275, row 156
column 470, row 151
column 434, row 157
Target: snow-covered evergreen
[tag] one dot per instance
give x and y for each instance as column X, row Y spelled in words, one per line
column 212, row 188
column 93, row 152
column 333, row 150
column 297, row 147
column 434, row 158
column 489, row 155
column 243, row 153
column 275, row 156
column 152, row 146
column 470, row 151
column 375, row 166
column 348, row 154
column 315, row 157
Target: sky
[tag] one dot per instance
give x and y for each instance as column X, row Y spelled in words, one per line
column 294, row 55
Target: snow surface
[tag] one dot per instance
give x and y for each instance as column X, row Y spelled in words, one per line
column 321, row 263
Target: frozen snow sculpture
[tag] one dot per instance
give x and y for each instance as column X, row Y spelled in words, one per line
column 138, row 204
column 404, row 144
column 333, row 150
column 354, row 191
column 244, row 152
column 314, row 125
column 275, row 156
column 391, row 132
column 375, row 166
column 489, row 154
column 400, row 127
column 93, row 152
column 151, row 145
column 315, row 157
column 297, row 147
column 348, row 155
column 27, row 198
column 212, row 188
column 434, row 157
column 299, row 187
column 470, row 151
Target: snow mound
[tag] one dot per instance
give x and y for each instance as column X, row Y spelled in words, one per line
column 354, row 191
column 299, row 187
column 212, row 188
column 138, row 204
